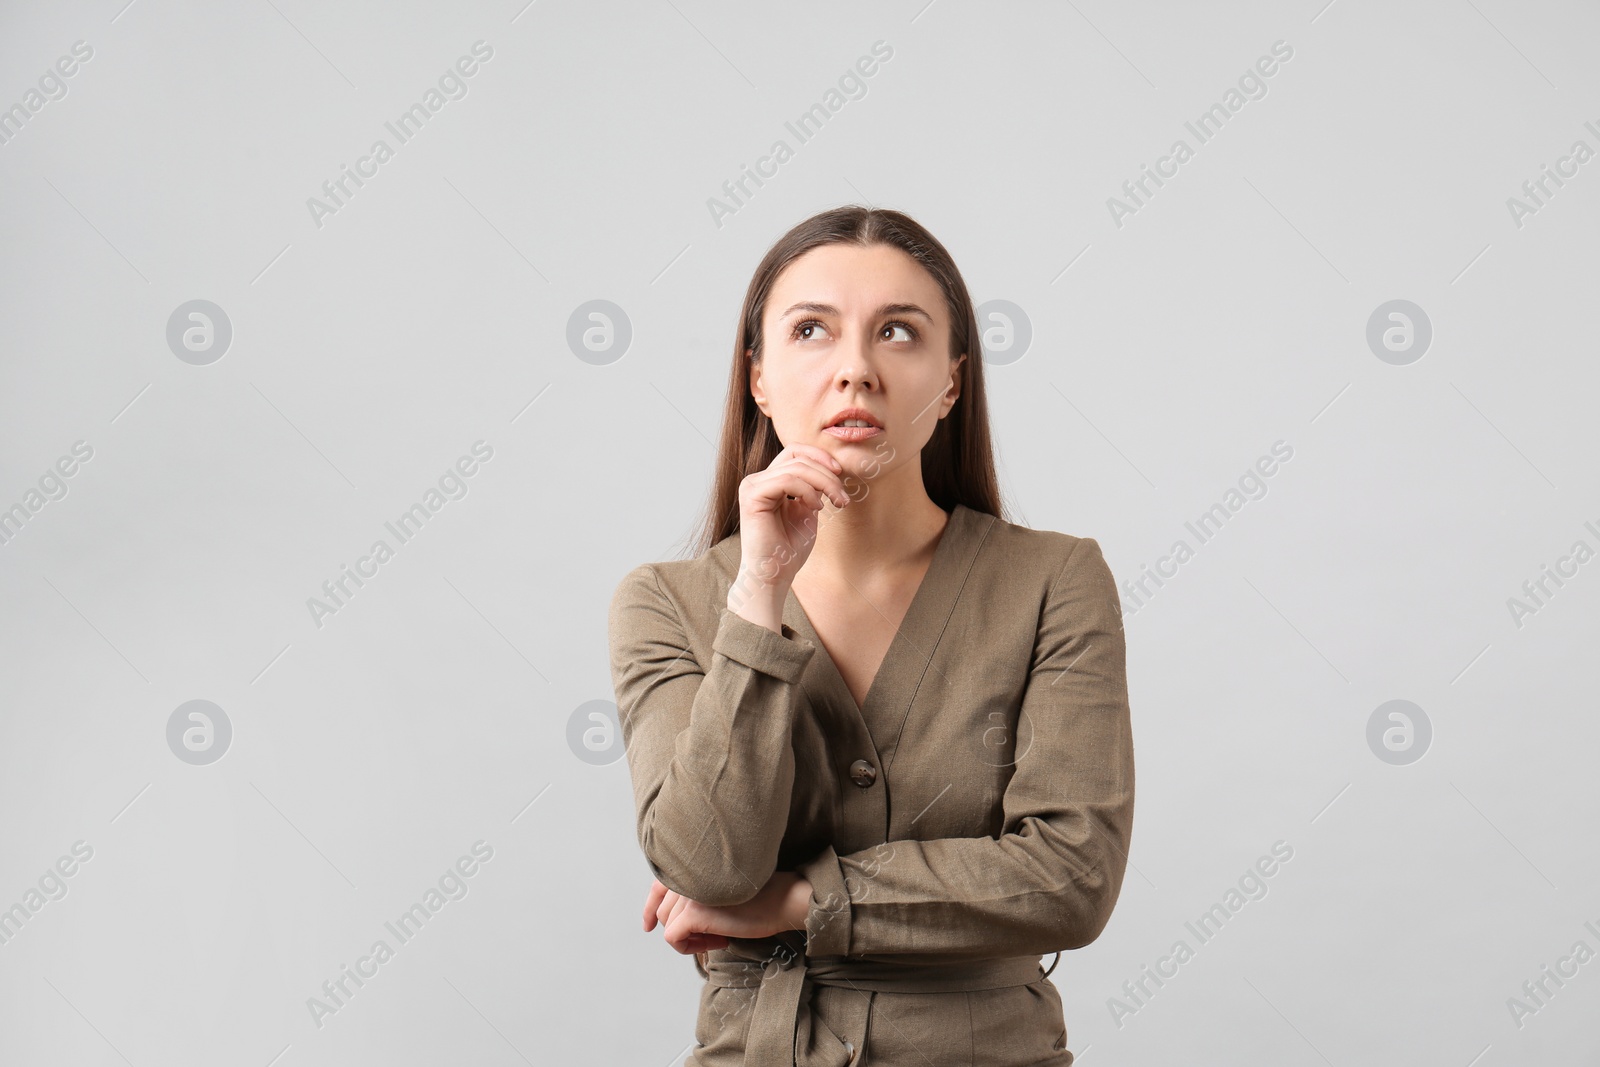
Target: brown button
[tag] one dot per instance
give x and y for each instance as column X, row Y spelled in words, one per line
column 863, row 773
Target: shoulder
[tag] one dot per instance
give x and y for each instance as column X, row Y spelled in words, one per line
column 676, row 587
column 1063, row 576
column 1047, row 555
column 1056, row 573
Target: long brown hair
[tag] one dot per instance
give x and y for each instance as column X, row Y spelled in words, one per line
column 957, row 462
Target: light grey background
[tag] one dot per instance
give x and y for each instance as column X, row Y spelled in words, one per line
column 432, row 711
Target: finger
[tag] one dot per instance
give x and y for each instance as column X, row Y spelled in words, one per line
column 816, row 452
column 664, row 907
column 774, row 489
column 792, row 478
column 815, row 457
column 652, row 902
column 702, row 943
column 831, row 479
column 683, row 946
column 679, row 906
column 806, row 481
column 681, row 922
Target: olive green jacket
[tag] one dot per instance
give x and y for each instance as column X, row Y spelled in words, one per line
column 973, row 815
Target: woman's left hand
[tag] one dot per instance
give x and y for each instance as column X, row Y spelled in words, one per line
column 690, row 926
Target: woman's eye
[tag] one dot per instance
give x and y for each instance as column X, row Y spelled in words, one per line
column 803, row 331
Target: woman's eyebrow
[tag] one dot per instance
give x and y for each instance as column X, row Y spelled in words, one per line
column 829, row 309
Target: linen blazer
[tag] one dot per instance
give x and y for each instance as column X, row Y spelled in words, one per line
column 971, row 815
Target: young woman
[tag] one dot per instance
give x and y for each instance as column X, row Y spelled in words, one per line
column 879, row 736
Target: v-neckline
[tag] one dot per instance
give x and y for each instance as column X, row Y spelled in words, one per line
column 911, row 624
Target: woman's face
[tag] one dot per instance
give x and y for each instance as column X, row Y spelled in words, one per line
column 852, row 327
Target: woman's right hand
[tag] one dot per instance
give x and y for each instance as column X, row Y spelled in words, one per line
column 778, row 515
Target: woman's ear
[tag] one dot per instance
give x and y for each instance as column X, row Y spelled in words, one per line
column 954, row 392
column 756, row 391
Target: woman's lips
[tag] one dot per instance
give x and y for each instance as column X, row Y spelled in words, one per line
column 853, row 433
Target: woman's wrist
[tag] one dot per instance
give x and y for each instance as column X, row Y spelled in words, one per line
column 757, row 601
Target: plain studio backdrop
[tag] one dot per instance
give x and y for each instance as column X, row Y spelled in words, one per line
column 1338, row 346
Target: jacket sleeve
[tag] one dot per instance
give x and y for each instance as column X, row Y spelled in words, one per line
column 709, row 748
column 1050, row 880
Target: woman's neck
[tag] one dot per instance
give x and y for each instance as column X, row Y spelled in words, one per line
column 882, row 531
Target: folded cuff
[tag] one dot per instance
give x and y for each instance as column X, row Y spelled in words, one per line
column 828, row 921
column 784, row 657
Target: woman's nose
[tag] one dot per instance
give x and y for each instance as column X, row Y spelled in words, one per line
column 855, row 367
